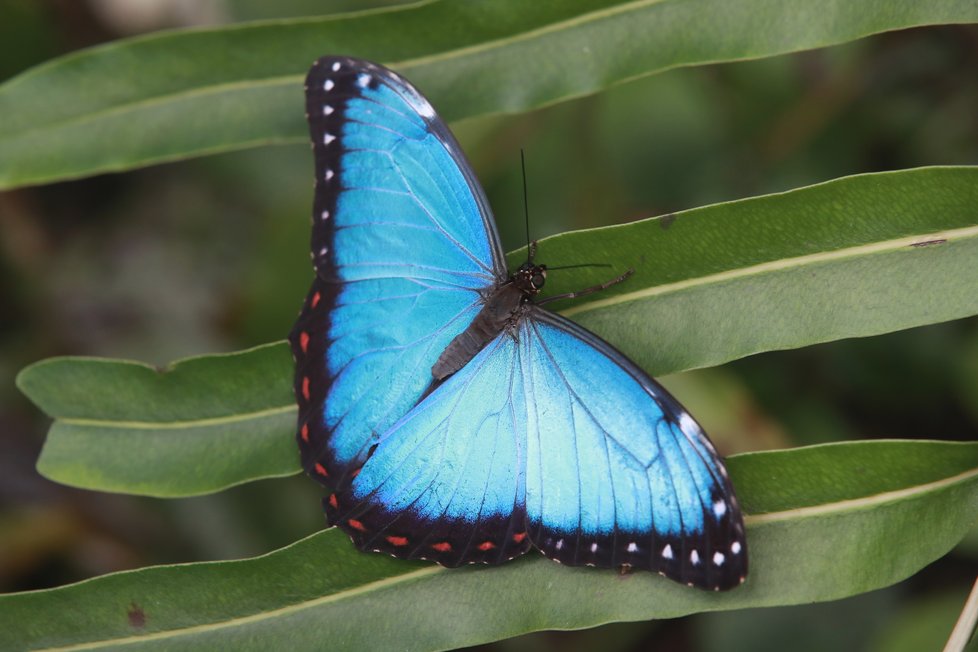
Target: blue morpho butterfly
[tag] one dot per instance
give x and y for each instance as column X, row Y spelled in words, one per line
column 452, row 417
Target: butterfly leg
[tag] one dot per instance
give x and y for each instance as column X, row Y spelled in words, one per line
column 586, row 291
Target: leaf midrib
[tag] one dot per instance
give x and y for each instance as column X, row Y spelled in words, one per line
column 854, row 504
column 549, row 28
column 202, row 91
column 176, row 425
column 782, row 264
column 255, row 617
column 758, row 519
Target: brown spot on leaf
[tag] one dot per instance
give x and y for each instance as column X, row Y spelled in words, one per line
column 137, row 617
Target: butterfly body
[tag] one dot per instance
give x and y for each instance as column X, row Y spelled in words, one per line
column 502, row 310
column 451, row 416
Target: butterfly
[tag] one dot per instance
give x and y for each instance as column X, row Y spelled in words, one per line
column 452, row 417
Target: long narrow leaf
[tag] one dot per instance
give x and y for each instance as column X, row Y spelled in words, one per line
column 850, row 258
column 825, row 522
column 853, row 257
column 180, row 94
column 199, row 426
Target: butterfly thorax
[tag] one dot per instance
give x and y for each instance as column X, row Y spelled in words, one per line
column 502, row 310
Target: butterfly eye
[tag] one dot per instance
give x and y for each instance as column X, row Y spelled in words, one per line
column 537, row 281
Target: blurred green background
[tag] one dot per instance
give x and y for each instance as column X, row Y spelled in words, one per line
column 211, row 255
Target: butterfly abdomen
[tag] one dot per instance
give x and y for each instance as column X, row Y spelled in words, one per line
column 501, row 309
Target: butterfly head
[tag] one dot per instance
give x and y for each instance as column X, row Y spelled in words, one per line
column 530, row 278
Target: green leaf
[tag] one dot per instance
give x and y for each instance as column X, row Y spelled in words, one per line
column 187, row 93
column 825, row 522
column 198, row 426
column 853, row 257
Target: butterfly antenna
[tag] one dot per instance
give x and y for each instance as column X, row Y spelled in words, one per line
column 531, row 247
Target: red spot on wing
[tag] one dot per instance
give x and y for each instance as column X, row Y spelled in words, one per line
column 356, row 525
column 315, row 300
column 304, row 341
column 518, row 538
column 332, row 501
column 442, row 546
column 397, row 541
column 321, row 470
column 304, row 433
column 305, row 387
column 486, row 545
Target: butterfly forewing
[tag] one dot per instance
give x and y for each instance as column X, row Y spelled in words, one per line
column 403, row 249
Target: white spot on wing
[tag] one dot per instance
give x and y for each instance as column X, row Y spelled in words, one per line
column 719, row 508
column 327, row 109
column 328, row 138
column 718, row 558
column 324, row 251
column 363, row 80
column 594, row 547
column 336, row 66
column 419, row 104
column 559, row 544
column 688, row 426
column 735, row 547
column 325, row 215
column 329, row 174
column 694, row 558
column 667, row 551
column 328, row 85
column 632, row 547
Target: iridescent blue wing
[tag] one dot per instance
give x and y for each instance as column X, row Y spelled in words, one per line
column 618, row 473
column 447, row 481
column 404, row 246
column 549, row 435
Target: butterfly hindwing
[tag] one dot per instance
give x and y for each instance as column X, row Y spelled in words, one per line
column 618, row 473
column 446, row 482
column 403, row 246
column 549, row 435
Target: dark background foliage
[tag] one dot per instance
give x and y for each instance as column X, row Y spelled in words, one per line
column 210, row 255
